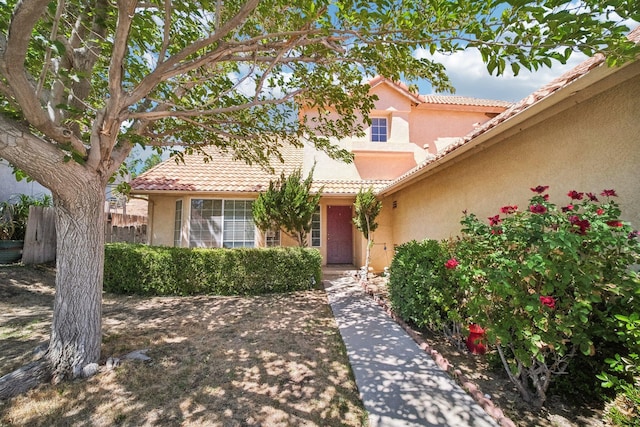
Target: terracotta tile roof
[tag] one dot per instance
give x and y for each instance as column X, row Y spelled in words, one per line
column 439, row 99
column 219, row 174
column 464, row 100
column 517, row 108
column 347, row 187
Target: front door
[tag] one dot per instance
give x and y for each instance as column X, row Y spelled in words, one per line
column 339, row 235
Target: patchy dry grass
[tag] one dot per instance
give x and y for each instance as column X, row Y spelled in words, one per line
column 274, row 360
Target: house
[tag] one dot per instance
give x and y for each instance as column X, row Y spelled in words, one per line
column 208, row 204
column 579, row 132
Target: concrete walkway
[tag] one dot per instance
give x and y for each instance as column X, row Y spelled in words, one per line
column 399, row 383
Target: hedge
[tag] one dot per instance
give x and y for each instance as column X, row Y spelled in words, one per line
column 420, row 289
column 151, row 270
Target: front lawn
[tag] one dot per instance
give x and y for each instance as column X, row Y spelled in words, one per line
column 217, row 361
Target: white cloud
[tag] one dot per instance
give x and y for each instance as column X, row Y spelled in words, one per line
column 470, row 77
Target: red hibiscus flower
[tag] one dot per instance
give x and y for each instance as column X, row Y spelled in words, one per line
column 548, row 301
column 451, row 264
column 540, row 189
column 575, row 195
column 539, row 209
column 609, row 193
column 496, row 231
column 494, row 220
column 600, row 211
column 614, row 223
column 508, row 209
column 582, row 224
column 592, row 197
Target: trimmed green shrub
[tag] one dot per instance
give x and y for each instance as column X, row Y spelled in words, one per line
column 148, row 270
column 420, row 288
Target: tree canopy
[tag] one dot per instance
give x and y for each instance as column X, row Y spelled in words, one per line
column 83, row 82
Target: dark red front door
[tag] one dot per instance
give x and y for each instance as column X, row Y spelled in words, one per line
column 339, row 235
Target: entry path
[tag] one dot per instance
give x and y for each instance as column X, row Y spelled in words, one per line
column 399, row 383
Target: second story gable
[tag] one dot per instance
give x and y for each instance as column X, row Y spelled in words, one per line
column 406, row 128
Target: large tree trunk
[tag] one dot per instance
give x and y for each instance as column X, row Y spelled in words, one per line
column 77, row 310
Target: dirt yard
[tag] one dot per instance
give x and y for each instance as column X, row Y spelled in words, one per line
column 216, row 361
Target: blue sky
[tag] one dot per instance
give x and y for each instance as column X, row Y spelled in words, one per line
column 470, row 77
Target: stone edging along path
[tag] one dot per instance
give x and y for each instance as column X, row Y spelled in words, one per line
column 469, row 386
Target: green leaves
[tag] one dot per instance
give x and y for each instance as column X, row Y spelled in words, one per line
column 289, row 205
column 552, row 279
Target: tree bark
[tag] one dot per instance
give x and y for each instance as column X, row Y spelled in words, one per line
column 77, row 310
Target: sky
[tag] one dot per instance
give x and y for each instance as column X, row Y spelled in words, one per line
column 470, row 77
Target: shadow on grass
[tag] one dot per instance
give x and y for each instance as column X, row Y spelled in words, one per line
column 220, row 361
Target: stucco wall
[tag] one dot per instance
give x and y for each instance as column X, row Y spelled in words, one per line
column 591, row 146
column 162, row 211
column 436, row 122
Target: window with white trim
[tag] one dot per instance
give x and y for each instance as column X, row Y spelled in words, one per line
column 177, row 225
column 272, row 238
column 379, row 130
column 216, row 223
column 315, row 228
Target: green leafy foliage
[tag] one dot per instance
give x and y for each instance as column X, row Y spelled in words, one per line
column 421, row 288
column 288, row 205
column 148, row 270
column 367, row 208
column 14, row 215
column 546, row 281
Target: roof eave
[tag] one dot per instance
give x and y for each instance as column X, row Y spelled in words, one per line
column 493, row 135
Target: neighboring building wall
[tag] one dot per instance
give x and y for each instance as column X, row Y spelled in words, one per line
column 591, row 146
column 10, row 187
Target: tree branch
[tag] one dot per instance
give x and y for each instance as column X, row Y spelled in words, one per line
column 22, row 23
column 169, row 68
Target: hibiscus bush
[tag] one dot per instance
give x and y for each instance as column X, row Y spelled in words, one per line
column 545, row 281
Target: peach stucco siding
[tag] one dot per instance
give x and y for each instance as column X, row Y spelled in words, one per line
column 585, row 143
column 429, row 124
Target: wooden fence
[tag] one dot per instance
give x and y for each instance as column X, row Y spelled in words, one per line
column 40, row 239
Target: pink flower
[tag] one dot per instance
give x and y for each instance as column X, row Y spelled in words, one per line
column 600, row 211
column 539, row 209
column 540, row 189
column 548, row 301
column 494, row 220
column 451, row 264
column 609, row 193
column 567, row 208
column 508, row 209
column 575, row 195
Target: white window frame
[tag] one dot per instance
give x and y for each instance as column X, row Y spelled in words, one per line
column 223, row 231
column 316, row 228
column 177, row 223
column 376, row 129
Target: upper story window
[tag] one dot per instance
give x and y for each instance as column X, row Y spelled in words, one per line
column 379, row 129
